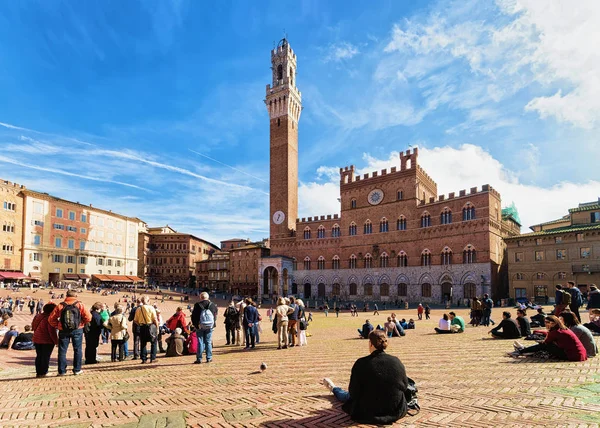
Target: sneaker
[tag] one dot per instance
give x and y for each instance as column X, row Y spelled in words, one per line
column 197, row 362
column 77, row 373
column 328, row 383
column 514, row 354
column 517, row 345
column 209, row 361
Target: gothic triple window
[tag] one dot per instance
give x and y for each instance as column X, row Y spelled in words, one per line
column 352, row 229
column 368, row 227
column 402, row 259
column 321, row 263
column 368, row 261
column 425, row 220
column 335, row 231
column 468, row 212
column 446, row 217
column 446, row 256
column 383, row 225
column 321, row 232
column 307, row 232
column 469, row 255
column 307, row 263
column 352, row 263
column 384, row 260
column 425, row 258
column 335, row 263
column 401, row 223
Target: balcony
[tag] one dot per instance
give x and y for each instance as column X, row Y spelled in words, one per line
column 586, row 268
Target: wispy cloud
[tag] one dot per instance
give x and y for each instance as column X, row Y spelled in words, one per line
column 340, row 51
column 229, row 166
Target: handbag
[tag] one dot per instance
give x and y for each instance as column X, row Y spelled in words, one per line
column 148, row 331
column 126, row 335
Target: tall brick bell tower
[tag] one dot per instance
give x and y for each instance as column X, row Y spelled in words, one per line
column 284, row 104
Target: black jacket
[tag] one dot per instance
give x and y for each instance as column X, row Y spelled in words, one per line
column 509, row 328
column 201, row 306
column 377, row 386
column 524, row 326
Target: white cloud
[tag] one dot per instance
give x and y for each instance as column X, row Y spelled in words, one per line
column 460, row 168
column 340, row 51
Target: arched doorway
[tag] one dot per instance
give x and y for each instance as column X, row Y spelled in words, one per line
column 307, row 291
column 294, row 288
column 446, row 292
column 321, row 289
column 270, row 281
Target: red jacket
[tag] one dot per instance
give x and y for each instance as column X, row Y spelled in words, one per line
column 54, row 318
column 177, row 320
column 43, row 332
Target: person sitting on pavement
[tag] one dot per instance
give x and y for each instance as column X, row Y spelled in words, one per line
column 24, row 340
column 583, row 333
column 457, row 324
column 411, row 324
column 399, row 327
column 389, row 327
column 378, row 382
column 593, row 298
column 538, row 319
column 444, row 323
column 175, row 343
column 191, row 344
column 561, row 343
column 594, row 324
column 367, row 328
column 509, row 327
column 524, row 325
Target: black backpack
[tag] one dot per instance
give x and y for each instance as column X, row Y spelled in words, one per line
column 410, row 394
column 70, row 317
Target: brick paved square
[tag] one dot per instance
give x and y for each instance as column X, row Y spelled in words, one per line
column 464, row 380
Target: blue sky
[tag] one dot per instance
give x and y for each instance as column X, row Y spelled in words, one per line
column 155, row 109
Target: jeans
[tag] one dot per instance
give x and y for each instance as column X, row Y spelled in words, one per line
column 144, row 349
column 76, row 336
column 250, row 336
column 125, row 349
column 43, row 351
column 114, row 344
column 485, row 319
column 340, row 394
column 204, row 341
column 136, row 344
column 105, row 335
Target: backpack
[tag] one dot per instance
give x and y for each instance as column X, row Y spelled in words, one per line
column 70, row 317
column 566, row 298
column 207, row 319
column 410, row 394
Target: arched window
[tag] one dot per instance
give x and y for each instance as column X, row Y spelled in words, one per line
column 426, row 290
column 368, row 261
column 469, row 255
column 291, row 76
column 353, row 289
column 321, row 232
column 307, row 263
column 402, row 289
column 446, row 216
column 352, row 203
column 446, row 256
column 425, row 220
column 280, row 72
column 519, row 276
column 368, row 227
column 399, row 195
column 352, row 229
column 402, row 259
column 335, row 231
column 468, row 212
column 335, row 262
column 307, row 232
column 384, row 260
column 352, row 262
column 425, row 258
column 540, row 275
column 401, row 223
column 383, row 225
column 368, row 289
column 321, row 263
column 384, row 289
column 295, row 263
column 335, row 289
column 469, row 290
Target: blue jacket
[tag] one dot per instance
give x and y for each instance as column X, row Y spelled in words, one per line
column 250, row 315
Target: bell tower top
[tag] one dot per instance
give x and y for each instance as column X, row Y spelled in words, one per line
column 282, row 92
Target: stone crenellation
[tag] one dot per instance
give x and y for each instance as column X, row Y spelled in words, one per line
column 10, row 183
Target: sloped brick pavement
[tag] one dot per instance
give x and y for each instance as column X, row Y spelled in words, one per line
column 464, row 381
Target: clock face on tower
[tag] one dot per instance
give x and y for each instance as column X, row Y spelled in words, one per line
column 375, row 196
column 278, row 217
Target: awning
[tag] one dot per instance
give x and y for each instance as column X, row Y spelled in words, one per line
column 83, row 276
column 102, row 278
column 135, row 278
column 70, row 276
column 12, row 275
column 35, row 275
column 120, row 278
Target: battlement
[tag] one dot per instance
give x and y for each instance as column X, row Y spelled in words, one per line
column 422, row 172
column 283, row 47
column 317, row 219
column 486, row 188
column 408, row 161
column 11, row 184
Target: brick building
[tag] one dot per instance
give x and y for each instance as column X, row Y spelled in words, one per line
column 230, row 244
column 213, row 273
column 68, row 241
column 171, row 256
column 11, row 219
column 395, row 237
column 244, row 267
column 565, row 249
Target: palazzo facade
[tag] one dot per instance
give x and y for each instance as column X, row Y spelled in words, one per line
column 395, row 237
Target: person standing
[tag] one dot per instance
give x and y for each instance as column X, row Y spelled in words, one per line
column 375, row 309
column 293, row 320
column 147, row 320
column 204, row 318
column 487, row 305
column 135, row 328
column 44, row 339
column 337, row 311
column 117, row 324
column 250, row 320
column 232, row 319
column 105, row 316
column 69, row 317
column 420, row 311
column 427, row 312
column 576, row 299
column 40, row 306
column 92, row 332
column 31, row 305
column 560, row 300
column 281, row 312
